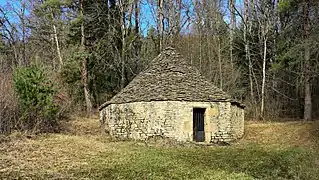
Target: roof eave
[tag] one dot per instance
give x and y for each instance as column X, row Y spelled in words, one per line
column 104, row 105
column 239, row 104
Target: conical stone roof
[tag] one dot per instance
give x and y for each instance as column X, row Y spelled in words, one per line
column 169, row 78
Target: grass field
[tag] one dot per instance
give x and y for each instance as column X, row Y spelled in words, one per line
column 267, row 151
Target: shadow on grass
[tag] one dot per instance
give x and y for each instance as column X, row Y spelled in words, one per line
column 209, row 163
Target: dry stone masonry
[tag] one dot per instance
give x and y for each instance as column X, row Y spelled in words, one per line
column 160, row 101
column 173, row 119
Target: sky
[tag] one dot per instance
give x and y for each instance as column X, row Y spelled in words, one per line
column 148, row 15
column 11, row 3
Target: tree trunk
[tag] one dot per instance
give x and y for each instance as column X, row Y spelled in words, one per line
column 84, row 68
column 220, row 64
column 137, row 13
column 137, row 30
column 123, row 30
column 22, row 18
column 316, row 4
column 16, row 61
column 171, row 22
column 190, row 47
column 308, row 99
column 219, row 51
column 209, row 55
column 247, row 53
column 178, row 22
column 160, row 24
column 232, row 27
column 200, row 49
column 263, row 79
column 55, row 34
column 308, row 103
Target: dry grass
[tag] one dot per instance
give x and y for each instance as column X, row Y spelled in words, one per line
column 81, row 126
column 81, row 152
column 284, row 134
column 56, row 155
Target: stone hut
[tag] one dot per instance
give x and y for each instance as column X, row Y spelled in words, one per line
column 172, row 99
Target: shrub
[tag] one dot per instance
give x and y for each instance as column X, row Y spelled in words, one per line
column 36, row 94
column 9, row 107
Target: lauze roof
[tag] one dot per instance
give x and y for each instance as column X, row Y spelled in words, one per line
column 169, row 78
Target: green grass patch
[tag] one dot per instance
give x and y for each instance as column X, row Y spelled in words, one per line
column 92, row 156
column 251, row 162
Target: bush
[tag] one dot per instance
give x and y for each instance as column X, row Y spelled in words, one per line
column 9, row 107
column 36, row 94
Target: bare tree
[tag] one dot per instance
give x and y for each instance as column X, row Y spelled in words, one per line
column 56, row 39
column 123, row 34
column 232, row 27
column 265, row 39
column 9, row 34
column 247, row 28
column 137, row 28
column 173, row 16
column 84, row 63
column 308, row 103
column 21, row 13
column 160, row 23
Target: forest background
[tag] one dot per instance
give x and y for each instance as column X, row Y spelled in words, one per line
column 68, row 56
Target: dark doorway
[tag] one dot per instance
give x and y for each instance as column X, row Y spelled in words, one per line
column 198, row 124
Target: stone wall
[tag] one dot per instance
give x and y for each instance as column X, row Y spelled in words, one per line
column 173, row 119
column 237, row 120
column 230, row 124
